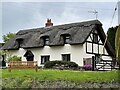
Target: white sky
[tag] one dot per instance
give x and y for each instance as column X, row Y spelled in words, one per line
column 18, row 15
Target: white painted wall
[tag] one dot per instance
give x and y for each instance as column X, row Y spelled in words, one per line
column 55, row 52
column 19, row 53
column 86, row 55
column 95, row 49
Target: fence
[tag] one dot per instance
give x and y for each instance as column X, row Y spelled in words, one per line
column 22, row 65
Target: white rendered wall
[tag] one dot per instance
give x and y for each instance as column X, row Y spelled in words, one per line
column 95, row 49
column 55, row 52
column 86, row 55
column 19, row 53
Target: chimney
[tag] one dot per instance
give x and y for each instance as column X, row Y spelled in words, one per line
column 49, row 23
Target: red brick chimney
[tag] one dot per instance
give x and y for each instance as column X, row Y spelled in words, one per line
column 49, row 23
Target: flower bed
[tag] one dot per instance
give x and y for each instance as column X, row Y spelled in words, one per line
column 87, row 67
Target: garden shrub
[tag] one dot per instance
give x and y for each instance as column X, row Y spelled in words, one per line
column 14, row 58
column 72, row 64
column 87, row 67
column 63, row 64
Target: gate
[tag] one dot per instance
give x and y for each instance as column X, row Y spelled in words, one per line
column 102, row 65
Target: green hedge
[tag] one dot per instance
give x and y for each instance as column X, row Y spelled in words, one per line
column 51, row 64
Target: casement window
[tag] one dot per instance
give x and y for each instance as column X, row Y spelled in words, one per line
column 19, row 41
column 45, row 59
column 95, row 38
column 67, row 39
column 46, row 40
column 66, row 57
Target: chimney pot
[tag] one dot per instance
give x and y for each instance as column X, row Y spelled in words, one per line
column 49, row 23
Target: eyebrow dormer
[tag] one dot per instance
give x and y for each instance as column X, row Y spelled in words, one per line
column 45, row 40
column 66, row 38
column 19, row 41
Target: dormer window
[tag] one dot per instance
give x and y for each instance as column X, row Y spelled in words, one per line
column 67, row 39
column 19, row 40
column 46, row 40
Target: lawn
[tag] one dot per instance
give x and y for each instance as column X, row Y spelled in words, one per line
column 65, row 75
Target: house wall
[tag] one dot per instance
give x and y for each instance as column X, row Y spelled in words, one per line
column 55, row 52
column 95, row 49
column 86, row 55
column 77, row 52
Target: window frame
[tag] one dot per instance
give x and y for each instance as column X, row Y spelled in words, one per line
column 67, row 38
column 46, row 40
column 43, row 57
column 19, row 41
column 66, row 57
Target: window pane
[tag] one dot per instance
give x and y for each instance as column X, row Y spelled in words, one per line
column 46, row 40
column 44, row 59
column 66, row 57
column 67, row 39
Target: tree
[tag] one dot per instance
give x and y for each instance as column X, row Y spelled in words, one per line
column 117, row 45
column 8, row 36
column 111, row 36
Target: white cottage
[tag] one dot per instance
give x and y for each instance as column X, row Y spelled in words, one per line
column 77, row 42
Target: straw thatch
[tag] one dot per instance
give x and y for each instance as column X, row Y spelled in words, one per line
column 32, row 38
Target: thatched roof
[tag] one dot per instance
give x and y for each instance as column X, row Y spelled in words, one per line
column 32, row 38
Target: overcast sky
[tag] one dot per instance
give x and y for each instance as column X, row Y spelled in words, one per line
column 17, row 16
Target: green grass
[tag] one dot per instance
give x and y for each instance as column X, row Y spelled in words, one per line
column 67, row 75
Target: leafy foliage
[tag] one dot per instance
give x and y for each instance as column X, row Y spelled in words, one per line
column 8, row 36
column 111, row 35
column 14, row 58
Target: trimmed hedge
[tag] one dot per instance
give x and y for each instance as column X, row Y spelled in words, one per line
column 53, row 64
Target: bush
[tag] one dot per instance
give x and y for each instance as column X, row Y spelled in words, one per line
column 62, row 64
column 14, row 58
column 72, row 64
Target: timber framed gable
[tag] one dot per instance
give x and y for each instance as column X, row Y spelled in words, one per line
column 94, row 44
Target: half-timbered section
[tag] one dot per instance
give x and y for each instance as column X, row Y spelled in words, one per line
column 76, row 42
column 96, row 51
column 94, row 45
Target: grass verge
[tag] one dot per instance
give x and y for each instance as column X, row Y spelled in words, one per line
column 65, row 75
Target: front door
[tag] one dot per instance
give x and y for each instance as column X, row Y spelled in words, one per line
column 29, row 57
